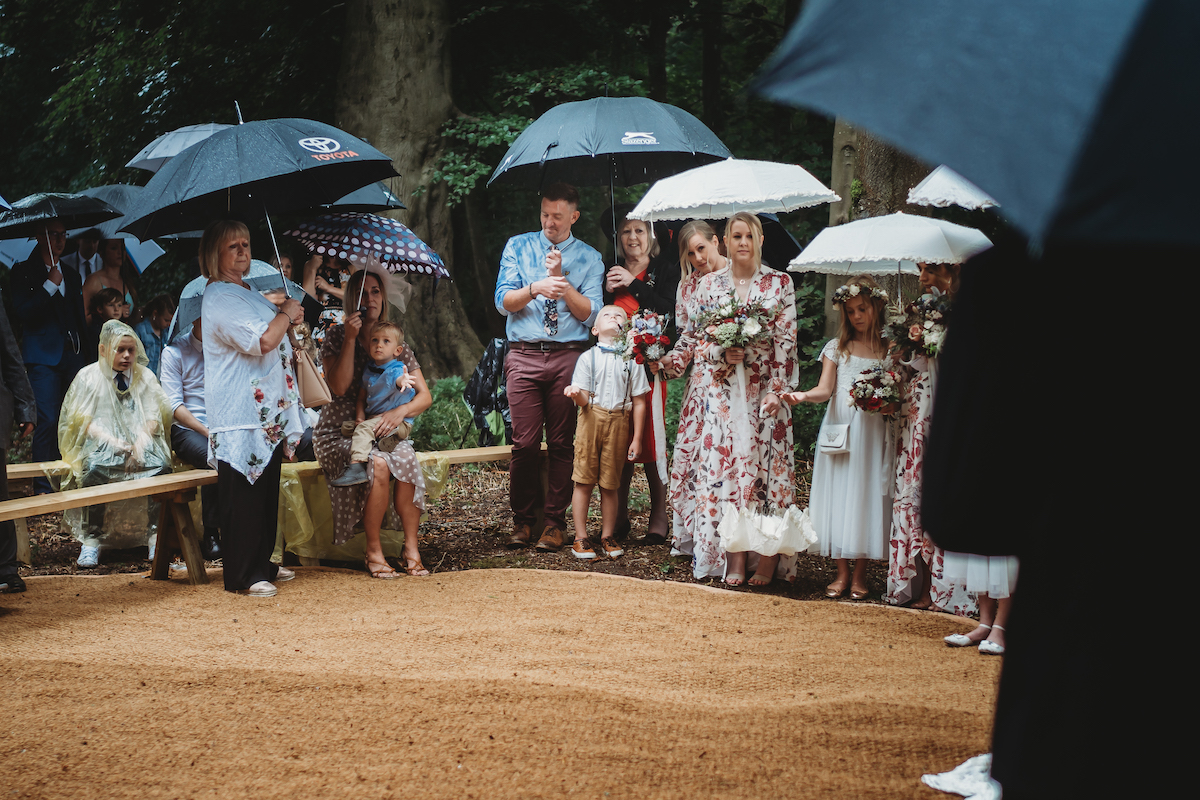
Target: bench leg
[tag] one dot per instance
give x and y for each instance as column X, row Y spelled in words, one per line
column 23, row 553
column 166, row 545
column 190, row 543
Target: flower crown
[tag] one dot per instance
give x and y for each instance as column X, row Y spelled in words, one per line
column 849, row 290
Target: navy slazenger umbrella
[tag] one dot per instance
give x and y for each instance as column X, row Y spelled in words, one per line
column 25, row 218
column 247, row 171
column 608, row 140
column 1057, row 110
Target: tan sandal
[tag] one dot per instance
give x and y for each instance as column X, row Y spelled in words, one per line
column 382, row 571
column 416, row 570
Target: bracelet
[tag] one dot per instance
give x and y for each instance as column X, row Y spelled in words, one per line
column 532, row 296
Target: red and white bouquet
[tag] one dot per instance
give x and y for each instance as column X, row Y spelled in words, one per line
column 876, row 390
column 922, row 328
column 644, row 338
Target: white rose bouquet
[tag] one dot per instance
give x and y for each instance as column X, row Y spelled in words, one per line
column 732, row 323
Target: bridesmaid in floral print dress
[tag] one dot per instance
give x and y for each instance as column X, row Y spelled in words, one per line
column 754, row 475
column 916, row 567
column 699, row 254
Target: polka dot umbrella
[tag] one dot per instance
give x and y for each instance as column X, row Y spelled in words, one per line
column 357, row 236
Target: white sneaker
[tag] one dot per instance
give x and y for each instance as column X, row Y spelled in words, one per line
column 88, row 557
column 261, row 589
column 284, row 574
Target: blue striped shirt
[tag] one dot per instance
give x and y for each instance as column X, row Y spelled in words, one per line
column 523, row 262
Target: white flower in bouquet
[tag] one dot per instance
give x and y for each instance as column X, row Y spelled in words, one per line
column 752, row 328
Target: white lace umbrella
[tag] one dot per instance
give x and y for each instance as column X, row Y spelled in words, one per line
column 944, row 187
column 885, row 245
column 721, row 189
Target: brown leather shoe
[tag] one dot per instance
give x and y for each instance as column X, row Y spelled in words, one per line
column 520, row 537
column 552, row 539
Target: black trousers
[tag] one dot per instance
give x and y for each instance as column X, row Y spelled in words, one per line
column 249, row 519
column 192, row 448
column 8, row 528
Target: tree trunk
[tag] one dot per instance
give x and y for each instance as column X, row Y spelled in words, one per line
column 710, row 74
column 394, row 91
column 660, row 24
column 844, row 168
column 887, row 176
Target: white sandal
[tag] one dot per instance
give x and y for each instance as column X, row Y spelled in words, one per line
column 962, row 640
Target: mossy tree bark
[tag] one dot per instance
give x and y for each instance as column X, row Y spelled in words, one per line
column 394, row 91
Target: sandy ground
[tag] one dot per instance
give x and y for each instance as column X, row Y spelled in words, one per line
column 477, row 684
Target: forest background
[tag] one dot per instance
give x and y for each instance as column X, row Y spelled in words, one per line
column 441, row 86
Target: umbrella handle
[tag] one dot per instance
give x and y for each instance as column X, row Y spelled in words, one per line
column 278, row 261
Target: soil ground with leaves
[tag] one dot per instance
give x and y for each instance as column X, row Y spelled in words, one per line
column 466, row 529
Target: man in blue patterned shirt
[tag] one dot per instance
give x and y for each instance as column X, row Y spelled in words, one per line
column 549, row 290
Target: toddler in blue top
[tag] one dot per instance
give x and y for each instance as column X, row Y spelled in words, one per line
column 386, row 384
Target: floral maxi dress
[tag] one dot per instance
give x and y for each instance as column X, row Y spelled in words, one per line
column 756, row 475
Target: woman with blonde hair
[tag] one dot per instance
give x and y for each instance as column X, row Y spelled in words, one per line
column 699, row 254
column 252, row 404
column 744, row 460
column 851, row 498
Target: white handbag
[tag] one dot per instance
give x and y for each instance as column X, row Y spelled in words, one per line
column 834, row 439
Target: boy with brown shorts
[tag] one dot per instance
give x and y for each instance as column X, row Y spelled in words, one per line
column 607, row 389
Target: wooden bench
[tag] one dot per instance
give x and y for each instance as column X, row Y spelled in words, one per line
column 176, row 530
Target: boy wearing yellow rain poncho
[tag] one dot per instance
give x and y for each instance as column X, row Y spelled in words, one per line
column 113, row 427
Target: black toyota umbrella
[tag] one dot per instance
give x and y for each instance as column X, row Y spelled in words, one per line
column 247, row 171
column 608, row 140
column 1054, row 109
column 24, row 220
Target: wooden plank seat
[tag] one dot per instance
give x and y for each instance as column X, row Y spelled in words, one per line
column 176, row 532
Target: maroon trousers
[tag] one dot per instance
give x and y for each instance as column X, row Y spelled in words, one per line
column 535, row 382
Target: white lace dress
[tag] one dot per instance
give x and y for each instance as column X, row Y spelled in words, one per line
column 851, row 499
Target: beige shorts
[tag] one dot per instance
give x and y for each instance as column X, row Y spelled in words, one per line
column 363, row 439
column 601, row 446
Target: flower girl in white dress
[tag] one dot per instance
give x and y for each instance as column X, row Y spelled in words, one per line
column 851, row 498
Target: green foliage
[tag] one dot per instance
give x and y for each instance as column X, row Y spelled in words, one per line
column 447, row 424
column 475, row 144
column 810, row 327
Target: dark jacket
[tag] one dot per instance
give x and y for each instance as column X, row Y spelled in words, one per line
column 51, row 328
column 16, row 395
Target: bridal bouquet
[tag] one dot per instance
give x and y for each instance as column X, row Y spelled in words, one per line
column 876, row 390
column 644, row 338
column 732, row 323
column 922, row 328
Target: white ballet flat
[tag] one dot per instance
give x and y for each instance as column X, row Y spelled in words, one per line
column 991, row 648
column 961, row 639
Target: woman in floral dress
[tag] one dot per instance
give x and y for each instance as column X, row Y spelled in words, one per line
column 744, row 462
column 254, row 411
column 915, row 565
column 699, row 254
column 344, row 354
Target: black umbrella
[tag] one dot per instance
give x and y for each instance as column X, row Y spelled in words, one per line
column 376, row 197
column 608, row 140
column 248, row 170
column 1054, row 109
column 25, row 219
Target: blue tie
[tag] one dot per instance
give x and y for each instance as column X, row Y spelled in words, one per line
column 122, row 384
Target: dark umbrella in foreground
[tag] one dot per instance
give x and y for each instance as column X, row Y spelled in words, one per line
column 26, row 217
column 1050, row 108
column 247, row 171
column 619, row 140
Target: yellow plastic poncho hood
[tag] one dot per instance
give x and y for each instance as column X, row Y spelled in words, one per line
column 108, row 436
